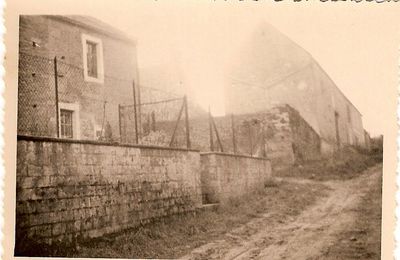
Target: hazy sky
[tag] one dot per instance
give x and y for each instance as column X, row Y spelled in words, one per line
column 356, row 44
column 352, row 43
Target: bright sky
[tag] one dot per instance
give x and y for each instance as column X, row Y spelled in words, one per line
column 356, row 44
column 351, row 42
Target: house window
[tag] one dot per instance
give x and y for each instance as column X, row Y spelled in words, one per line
column 69, row 121
column 92, row 59
column 66, row 123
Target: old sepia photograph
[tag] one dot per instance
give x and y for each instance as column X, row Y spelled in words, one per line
column 202, row 130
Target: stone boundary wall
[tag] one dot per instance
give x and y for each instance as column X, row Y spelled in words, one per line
column 226, row 176
column 68, row 189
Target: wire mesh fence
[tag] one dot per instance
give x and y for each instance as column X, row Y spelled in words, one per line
column 160, row 123
column 36, row 96
column 56, row 99
column 236, row 134
column 98, row 103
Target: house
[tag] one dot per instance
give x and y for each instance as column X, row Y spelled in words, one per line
column 96, row 69
column 271, row 70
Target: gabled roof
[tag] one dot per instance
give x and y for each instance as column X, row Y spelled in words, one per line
column 95, row 24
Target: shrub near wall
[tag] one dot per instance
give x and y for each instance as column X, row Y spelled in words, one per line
column 69, row 189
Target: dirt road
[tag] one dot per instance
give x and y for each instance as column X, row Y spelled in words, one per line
column 308, row 236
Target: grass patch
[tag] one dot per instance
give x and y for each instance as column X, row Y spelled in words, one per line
column 348, row 164
column 175, row 236
column 363, row 239
column 178, row 235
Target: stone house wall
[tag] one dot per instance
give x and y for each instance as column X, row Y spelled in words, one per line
column 44, row 37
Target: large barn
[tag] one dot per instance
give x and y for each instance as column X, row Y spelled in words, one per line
column 271, row 70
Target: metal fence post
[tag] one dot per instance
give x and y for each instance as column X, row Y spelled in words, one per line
column 120, row 122
column 135, row 112
column 153, row 121
column 264, row 151
column 233, row 134
column 177, row 124
column 188, row 144
column 217, row 134
column 250, row 140
column 211, row 132
column 56, row 96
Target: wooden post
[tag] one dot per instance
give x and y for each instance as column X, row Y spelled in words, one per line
column 153, row 121
column 188, row 144
column 216, row 133
column 135, row 112
column 56, row 97
column 120, row 122
column 233, row 134
column 250, row 140
column 138, row 99
column 176, row 124
column 211, row 131
column 264, row 151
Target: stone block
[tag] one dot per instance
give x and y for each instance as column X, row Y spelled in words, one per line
column 58, row 229
column 43, row 230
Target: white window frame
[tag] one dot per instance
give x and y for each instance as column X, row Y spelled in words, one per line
column 74, row 107
column 99, row 53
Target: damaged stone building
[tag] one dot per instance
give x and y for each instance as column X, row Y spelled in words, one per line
column 280, row 104
column 271, row 70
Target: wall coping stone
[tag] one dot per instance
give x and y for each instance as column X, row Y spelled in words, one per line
column 234, row 155
column 92, row 142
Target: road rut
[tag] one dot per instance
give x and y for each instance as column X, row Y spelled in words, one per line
column 271, row 236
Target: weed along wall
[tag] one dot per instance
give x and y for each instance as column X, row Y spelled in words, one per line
column 80, row 189
column 225, row 176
